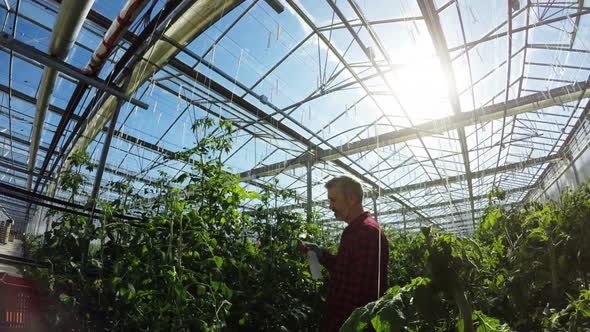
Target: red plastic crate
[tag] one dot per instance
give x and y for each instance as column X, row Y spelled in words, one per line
column 19, row 305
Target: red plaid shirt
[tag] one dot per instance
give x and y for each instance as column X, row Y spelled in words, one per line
column 353, row 271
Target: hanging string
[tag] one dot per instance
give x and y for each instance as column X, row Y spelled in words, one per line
column 378, row 227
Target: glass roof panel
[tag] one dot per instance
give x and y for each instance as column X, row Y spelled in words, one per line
column 288, row 93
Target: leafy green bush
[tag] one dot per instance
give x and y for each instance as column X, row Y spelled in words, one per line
column 193, row 262
column 525, row 265
column 574, row 317
column 534, row 255
column 437, row 301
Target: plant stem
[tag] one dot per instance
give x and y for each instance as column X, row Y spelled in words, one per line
column 465, row 310
column 553, row 265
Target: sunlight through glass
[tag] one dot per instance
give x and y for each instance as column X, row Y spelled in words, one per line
column 422, row 89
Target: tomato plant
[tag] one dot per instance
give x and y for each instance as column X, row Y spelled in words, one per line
column 526, row 268
column 194, row 261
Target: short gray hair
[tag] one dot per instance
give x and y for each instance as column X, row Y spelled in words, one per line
column 346, row 185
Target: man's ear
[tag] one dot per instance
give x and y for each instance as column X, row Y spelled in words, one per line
column 352, row 198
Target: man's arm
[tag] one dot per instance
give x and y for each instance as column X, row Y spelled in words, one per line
column 328, row 260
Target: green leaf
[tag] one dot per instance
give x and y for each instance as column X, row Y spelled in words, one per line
column 389, row 317
column 226, row 291
column 181, row 178
column 218, row 261
column 201, row 290
column 461, row 325
column 357, row 321
column 131, row 290
column 97, row 263
column 65, row 299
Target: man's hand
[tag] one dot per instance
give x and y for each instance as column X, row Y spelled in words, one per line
column 307, row 246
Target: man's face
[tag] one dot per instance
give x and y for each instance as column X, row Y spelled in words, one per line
column 340, row 203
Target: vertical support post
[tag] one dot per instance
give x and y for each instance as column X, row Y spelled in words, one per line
column 404, row 218
column 3, row 225
column 107, row 143
column 374, row 197
column 7, row 229
column 309, row 195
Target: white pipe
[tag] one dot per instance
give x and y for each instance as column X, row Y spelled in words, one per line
column 65, row 31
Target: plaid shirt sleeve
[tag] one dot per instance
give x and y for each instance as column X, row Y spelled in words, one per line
column 354, row 274
column 328, row 260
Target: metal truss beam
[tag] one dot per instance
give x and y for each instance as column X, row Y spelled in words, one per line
column 576, row 23
column 353, row 73
column 123, row 136
column 370, row 56
column 18, row 167
column 475, row 175
column 557, row 48
column 454, row 179
column 32, row 100
column 51, row 202
column 459, row 226
column 453, row 202
column 66, row 68
column 491, row 36
column 23, row 169
column 446, row 215
column 107, row 142
column 434, row 26
column 355, row 23
column 533, row 102
column 259, row 114
column 456, row 201
column 552, row 174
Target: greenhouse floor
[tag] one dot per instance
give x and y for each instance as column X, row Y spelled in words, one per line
column 12, row 248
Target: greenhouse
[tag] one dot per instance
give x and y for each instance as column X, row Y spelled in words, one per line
column 176, row 165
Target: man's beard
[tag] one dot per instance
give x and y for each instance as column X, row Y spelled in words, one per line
column 336, row 215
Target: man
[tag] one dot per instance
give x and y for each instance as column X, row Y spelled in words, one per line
column 357, row 275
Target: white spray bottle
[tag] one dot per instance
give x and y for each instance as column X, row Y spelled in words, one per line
column 314, row 265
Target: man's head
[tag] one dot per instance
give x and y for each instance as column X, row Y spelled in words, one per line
column 346, row 198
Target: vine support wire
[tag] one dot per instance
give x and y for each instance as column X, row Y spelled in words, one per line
column 309, row 187
column 375, row 197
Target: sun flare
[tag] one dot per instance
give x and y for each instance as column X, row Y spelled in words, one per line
column 422, row 89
